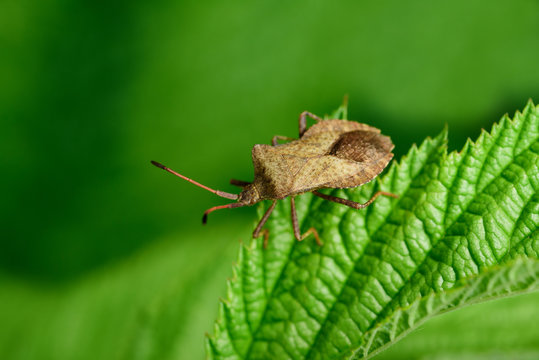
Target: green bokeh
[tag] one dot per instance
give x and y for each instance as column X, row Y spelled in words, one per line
column 90, row 91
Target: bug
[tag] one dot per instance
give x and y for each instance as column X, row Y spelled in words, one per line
column 330, row 154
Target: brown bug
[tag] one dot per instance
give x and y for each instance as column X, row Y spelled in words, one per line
column 330, row 154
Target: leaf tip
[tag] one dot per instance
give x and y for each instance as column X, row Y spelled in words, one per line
column 444, row 134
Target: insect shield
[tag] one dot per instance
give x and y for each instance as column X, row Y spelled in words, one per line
column 330, row 154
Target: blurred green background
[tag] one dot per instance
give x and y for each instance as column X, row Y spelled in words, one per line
column 90, row 91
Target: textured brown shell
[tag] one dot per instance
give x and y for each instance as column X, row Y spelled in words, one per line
column 330, row 154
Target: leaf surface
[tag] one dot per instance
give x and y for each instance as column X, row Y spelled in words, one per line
column 463, row 230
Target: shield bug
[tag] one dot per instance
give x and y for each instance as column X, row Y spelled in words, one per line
column 330, row 154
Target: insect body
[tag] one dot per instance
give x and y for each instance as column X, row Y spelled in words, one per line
column 330, row 154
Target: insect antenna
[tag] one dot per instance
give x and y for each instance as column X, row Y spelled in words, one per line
column 227, row 206
column 216, row 192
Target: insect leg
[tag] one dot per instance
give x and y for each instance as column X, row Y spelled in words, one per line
column 239, row 183
column 295, row 225
column 279, row 137
column 258, row 229
column 303, row 121
column 351, row 203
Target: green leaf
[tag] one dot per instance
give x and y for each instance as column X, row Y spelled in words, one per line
column 502, row 329
column 463, row 230
column 137, row 308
